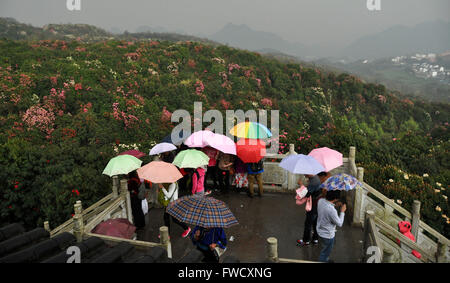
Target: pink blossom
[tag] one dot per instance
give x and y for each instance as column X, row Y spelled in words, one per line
column 232, row 67
column 54, row 80
column 266, row 102
column 200, row 87
column 78, row 86
column 225, row 104
column 258, row 81
column 39, row 118
column 166, row 115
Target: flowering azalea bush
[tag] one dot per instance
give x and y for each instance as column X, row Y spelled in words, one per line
column 66, row 108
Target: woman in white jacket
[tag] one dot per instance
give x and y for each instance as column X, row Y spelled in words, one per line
column 170, row 192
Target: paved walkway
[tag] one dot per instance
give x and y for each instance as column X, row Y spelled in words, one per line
column 273, row 215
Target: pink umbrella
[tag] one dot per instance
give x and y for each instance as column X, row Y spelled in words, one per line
column 327, row 157
column 133, row 152
column 118, row 227
column 198, row 139
column 159, row 172
column 222, row 143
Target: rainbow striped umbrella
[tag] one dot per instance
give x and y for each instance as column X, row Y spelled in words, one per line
column 251, row 130
column 206, row 212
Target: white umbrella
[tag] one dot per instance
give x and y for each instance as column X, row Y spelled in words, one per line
column 162, row 147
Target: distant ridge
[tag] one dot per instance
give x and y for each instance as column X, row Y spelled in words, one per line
column 428, row 37
column 12, row 29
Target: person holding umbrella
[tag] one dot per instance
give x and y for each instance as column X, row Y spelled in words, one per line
column 211, row 172
column 327, row 217
column 315, row 192
column 327, row 220
column 225, row 165
column 210, row 216
column 168, row 193
column 134, row 184
column 211, row 242
column 254, row 171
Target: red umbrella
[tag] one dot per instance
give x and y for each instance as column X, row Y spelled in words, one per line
column 133, row 152
column 250, row 150
column 118, row 227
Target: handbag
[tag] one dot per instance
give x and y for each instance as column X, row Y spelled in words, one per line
column 218, row 252
column 300, row 196
column 144, row 206
column 162, row 198
column 308, row 206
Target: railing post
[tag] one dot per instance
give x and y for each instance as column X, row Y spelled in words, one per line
column 47, row 226
column 441, row 252
column 115, row 186
column 78, row 222
column 415, row 219
column 272, row 249
column 369, row 215
column 388, row 256
column 388, row 212
column 126, row 195
column 359, row 199
column 360, row 174
column 352, row 153
column 291, row 177
column 164, row 240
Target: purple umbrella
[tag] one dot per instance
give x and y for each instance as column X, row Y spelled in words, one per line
column 133, row 152
column 118, row 227
column 301, row 164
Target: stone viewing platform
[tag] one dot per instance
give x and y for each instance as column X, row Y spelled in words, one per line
column 273, row 215
column 268, row 226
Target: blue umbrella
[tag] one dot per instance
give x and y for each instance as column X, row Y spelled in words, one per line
column 177, row 140
column 341, row 182
column 301, row 164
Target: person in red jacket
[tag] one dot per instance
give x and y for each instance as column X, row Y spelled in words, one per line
column 198, row 181
column 405, row 228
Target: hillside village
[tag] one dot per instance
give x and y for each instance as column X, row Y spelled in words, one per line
column 424, row 66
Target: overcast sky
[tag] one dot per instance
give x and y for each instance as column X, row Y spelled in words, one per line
column 306, row 21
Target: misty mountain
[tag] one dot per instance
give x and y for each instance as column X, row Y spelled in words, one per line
column 242, row 36
column 429, row 37
column 12, row 29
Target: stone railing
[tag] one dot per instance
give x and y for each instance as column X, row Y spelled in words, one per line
column 272, row 253
column 115, row 205
column 277, row 179
column 366, row 198
column 393, row 246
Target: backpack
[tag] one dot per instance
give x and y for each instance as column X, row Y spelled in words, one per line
column 258, row 166
column 162, row 198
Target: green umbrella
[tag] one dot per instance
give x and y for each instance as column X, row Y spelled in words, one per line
column 122, row 164
column 191, row 158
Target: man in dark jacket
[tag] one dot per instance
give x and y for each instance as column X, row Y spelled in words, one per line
column 311, row 216
column 207, row 240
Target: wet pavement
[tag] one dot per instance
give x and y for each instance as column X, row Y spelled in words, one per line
column 273, row 215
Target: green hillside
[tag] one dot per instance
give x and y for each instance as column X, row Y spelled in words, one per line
column 65, row 105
